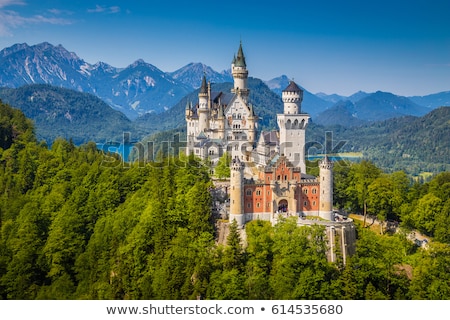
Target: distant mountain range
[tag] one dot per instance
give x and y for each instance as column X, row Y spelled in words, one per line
column 134, row 90
column 372, row 107
column 142, row 88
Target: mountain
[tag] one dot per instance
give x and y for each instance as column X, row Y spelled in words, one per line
column 42, row 63
column 61, row 112
column 343, row 113
column 334, row 98
column 141, row 87
column 191, row 75
column 384, row 105
column 311, row 104
column 134, row 90
column 372, row 107
column 433, row 100
column 278, row 84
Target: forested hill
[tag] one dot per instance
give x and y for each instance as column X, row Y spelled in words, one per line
column 78, row 224
column 59, row 112
column 414, row 144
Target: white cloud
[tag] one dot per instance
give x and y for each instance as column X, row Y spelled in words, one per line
column 103, row 9
column 6, row 3
column 10, row 19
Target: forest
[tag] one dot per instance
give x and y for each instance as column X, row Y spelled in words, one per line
column 76, row 223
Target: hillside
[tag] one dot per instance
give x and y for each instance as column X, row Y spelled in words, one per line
column 73, row 228
column 414, row 144
column 59, row 112
column 369, row 107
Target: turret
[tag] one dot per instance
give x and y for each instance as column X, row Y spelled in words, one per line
column 240, row 73
column 326, row 188
column 221, row 121
column 292, row 98
column 292, row 124
column 188, row 110
column 236, row 192
column 203, row 111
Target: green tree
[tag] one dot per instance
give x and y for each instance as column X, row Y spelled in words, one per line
column 361, row 175
column 379, row 199
column 222, row 169
column 431, row 279
column 259, row 259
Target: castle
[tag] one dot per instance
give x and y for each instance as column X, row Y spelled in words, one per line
column 268, row 175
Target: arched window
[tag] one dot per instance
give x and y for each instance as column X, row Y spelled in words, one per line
column 248, row 192
column 314, row 190
column 305, row 191
column 258, row 192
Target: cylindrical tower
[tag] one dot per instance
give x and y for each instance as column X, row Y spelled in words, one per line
column 292, row 98
column 236, row 192
column 240, row 73
column 326, row 189
column 203, row 111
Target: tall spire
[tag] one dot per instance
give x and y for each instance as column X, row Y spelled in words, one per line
column 240, row 58
column 204, row 87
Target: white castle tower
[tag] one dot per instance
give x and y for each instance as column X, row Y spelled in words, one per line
column 203, row 111
column 292, row 124
column 326, row 189
column 240, row 74
column 237, row 192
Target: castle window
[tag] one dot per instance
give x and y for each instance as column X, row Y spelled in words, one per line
column 305, row 191
column 249, row 205
column 257, row 204
column 314, row 190
column 258, row 192
column 285, row 178
column 305, row 203
column 313, row 203
column 249, row 192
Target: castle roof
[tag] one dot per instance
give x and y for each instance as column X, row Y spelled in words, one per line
column 292, row 87
column 239, row 60
column 204, row 87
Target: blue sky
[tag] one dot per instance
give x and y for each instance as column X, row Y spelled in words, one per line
column 325, row 45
